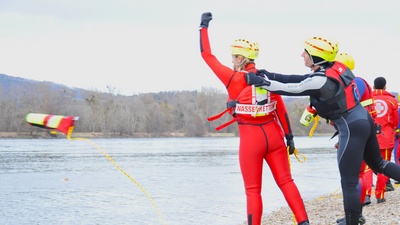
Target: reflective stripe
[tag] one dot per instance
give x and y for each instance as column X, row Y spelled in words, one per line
column 36, row 118
column 255, row 109
column 40, row 119
column 367, row 102
column 54, row 121
column 261, row 94
column 253, row 95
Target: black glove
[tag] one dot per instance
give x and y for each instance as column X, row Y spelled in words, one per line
column 264, row 73
column 252, row 78
column 378, row 128
column 397, row 136
column 290, row 143
column 205, row 19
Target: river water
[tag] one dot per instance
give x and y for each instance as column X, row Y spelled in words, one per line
column 189, row 180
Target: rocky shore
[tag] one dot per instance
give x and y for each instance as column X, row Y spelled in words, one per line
column 327, row 209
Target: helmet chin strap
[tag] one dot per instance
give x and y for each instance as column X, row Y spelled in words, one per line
column 315, row 64
column 237, row 63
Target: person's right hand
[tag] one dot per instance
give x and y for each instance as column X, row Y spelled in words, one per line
column 265, row 73
column 205, row 19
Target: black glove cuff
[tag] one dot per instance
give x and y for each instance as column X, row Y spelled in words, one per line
column 289, row 136
column 204, row 24
column 266, row 73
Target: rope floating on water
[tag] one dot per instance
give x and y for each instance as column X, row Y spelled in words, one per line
column 84, row 139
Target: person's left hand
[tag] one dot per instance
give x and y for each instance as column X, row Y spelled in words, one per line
column 205, row 19
column 290, row 143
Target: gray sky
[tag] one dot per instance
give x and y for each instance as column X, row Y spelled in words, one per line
column 140, row 46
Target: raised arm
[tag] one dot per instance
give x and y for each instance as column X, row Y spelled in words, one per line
column 224, row 73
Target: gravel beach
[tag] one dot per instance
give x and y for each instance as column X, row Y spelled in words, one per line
column 327, row 209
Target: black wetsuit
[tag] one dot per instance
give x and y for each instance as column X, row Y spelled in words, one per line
column 356, row 128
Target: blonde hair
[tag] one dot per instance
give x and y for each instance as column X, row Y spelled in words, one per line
column 245, row 63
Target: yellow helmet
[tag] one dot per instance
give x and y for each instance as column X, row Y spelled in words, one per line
column 346, row 59
column 245, row 48
column 323, row 48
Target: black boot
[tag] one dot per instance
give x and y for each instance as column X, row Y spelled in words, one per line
column 304, row 223
column 342, row 221
column 380, row 200
column 367, row 201
column 389, row 186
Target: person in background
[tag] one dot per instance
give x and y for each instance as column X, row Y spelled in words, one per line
column 333, row 93
column 261, row 115
column 388, row 118
column 396, row 152
column 389, row 186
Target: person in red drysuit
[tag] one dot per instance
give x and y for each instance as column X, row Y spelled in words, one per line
column 387, row 116
column 261, row 115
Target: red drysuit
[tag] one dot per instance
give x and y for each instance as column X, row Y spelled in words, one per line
column 253, row 129
column 386, row 107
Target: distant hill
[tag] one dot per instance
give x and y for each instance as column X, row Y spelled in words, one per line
column 10, row 81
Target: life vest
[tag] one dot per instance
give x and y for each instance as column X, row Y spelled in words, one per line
column 345, row 98
column 367, row 101
column 252, row 102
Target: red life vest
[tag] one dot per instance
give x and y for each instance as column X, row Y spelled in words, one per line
column 345, row 98
column 251, row 102
column 367, row 100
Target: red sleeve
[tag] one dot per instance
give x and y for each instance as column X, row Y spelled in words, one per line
column 282, row 115
column 395, row 114
column 224, row 73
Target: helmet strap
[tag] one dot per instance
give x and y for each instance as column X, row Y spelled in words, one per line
column 319, row 63
column 241, row 63
column 312, row 60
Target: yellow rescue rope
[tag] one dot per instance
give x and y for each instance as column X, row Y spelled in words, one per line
column 290, row 168
column 331, row 195
column 316, row 121
column 84, row 139
column 372, row 192
column 296, row 154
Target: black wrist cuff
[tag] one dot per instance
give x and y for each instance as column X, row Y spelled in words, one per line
column 289, row 136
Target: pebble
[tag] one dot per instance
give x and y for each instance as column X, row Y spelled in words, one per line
column 327, row 209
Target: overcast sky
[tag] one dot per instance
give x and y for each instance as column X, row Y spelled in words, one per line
column 141, row 46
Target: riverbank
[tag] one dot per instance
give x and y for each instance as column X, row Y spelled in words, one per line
column 92, row 135
column 327, row 209
column 48, row 135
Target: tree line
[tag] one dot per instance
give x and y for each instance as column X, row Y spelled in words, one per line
column 113, row 114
